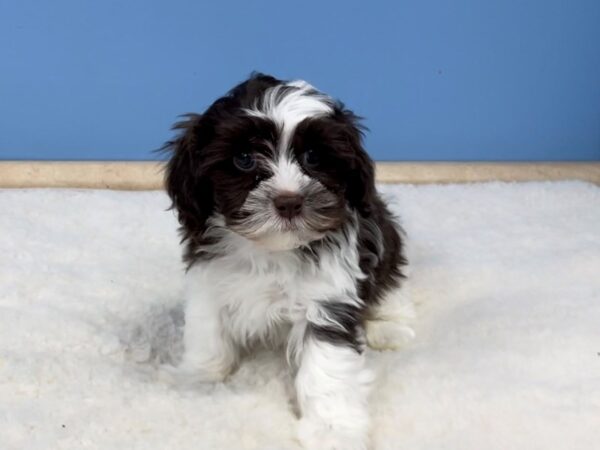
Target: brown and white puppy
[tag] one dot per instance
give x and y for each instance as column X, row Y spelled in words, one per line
column 287, row 242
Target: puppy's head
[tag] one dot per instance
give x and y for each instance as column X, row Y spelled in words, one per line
column 279, row 163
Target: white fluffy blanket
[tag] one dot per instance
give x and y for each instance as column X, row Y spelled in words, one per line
column 506, row 356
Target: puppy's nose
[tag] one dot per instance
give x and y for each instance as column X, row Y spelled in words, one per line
column 288, row 205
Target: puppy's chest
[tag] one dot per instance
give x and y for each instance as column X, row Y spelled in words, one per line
column 268, row 299
column 282, row 293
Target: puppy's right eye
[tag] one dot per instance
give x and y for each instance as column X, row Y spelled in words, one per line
column 244, row 161
column 311, row 158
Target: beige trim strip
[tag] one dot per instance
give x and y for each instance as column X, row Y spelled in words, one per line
column 148, row 174
column 138, row 175
column 470, row 172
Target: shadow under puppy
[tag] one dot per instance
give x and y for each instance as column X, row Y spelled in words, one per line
column 287, row 242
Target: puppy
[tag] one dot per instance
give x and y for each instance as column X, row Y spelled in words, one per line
column 287, row 243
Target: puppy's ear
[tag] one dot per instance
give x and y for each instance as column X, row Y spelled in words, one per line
column 185, row 179
column 361, row 177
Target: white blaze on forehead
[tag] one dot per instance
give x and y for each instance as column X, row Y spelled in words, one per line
column 287, row 174
column 289, row 104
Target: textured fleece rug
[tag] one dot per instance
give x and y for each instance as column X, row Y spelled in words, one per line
column 506, row 278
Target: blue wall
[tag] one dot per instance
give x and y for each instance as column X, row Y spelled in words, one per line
column 448, row 80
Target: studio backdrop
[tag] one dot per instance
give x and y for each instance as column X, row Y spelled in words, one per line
column 435, row 80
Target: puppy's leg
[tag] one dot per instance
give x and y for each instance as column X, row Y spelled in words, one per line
column 209, row 352
column 332, row 383
column 389, row 324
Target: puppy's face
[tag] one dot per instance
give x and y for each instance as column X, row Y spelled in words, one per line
column 281, row 163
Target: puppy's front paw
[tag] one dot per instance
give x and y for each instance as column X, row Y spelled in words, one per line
column 387, row 335
column 390, row 326
column 316, row 435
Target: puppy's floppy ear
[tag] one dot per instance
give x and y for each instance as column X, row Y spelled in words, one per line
column 361, row 189
column 185, row 179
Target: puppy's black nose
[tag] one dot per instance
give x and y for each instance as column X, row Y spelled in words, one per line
column 288, row 205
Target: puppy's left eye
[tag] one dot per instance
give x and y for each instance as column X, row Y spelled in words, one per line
column 311, row 158
column 244, row 161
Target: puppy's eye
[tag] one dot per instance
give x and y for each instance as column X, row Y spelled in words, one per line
column 244, row 161
column 311, row 158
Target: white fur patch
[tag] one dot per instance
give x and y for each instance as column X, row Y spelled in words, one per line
column 289, row 104
column 287, row 174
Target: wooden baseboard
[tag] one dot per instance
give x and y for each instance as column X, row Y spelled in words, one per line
column 472, row 172
column 138, row 175
column 149, row 174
